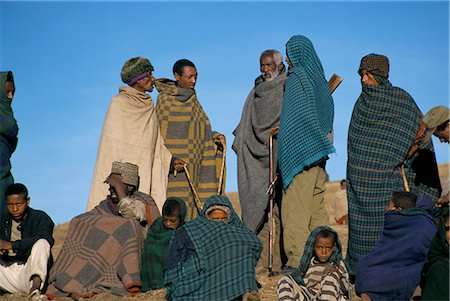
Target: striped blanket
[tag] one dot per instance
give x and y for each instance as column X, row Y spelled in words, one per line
column 212, row 260
column 187, row 134
column 383, row 127
column 101, row 253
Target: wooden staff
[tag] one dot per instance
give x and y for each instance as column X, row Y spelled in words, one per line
column 271, row 192
column 222, row 169
column 198, row 203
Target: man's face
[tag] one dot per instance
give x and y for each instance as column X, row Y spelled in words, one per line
column 444, row 134
column 16, row 205
column 324, row 248
column 145, row 84
column 368, row 78
column 288, row 61
column 171, row 221
column 188, row 79
column 10, row 89
column 268, row 67
column 218, row 215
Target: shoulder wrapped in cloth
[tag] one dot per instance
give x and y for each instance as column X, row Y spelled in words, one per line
column 392, row 270
column 212, row 260
column 260, row 114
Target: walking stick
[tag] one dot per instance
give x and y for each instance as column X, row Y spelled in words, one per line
column 222, row 169
column 197, row 201
column 271, row 192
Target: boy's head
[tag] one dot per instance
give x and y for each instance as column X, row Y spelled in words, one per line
column 17, row 200
column 401, row 200
column 343, row 184
column 172, row 213
column 218, row 213
column 324, row 245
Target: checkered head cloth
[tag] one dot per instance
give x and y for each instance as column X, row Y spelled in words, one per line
column 128, row 171
column 375, row 64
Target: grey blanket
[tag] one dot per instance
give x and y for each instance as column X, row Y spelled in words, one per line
column 251, row 143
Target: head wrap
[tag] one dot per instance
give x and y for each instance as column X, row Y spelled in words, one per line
column 375, row 64
column 221, row 202
column 135, row 69
column 128, row 171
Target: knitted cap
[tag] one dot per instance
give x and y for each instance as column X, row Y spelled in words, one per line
column 434, row 118
column 134, row 67
column 376, row 64
column 128, row 171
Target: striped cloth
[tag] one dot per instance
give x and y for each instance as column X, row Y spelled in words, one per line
column 212, row 260
column 307, row 112
column 383, row 127
column 187, row 134
column 308, row 282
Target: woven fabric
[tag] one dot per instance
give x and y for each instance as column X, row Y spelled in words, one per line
column 8, row 141
column 260, row 114
column 392, row 270
column 216, row 261
column 375, row 64
column 307, row 112
column 134, row 67
column 382, row 129
column 101, row 253
column 128, row 171
column 187, row 134
column 156, row 247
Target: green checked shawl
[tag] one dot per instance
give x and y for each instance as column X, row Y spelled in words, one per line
column 307, row 112
column 382, row 129
column 156, row 247
column 212, row 260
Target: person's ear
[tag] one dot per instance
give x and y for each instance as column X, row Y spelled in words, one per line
column 280, row 66
column 177, row 76
column 28, row 201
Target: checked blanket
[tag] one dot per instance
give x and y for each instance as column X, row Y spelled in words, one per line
column 212, row 260
column 101, row 253
column 187, row 134
column 382, row 129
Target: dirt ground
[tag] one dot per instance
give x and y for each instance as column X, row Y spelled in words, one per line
column 268, row 284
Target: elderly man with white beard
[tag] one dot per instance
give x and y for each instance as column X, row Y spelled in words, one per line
column 260, row 118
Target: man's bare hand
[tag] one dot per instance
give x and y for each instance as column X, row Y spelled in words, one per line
column 220, row 141
column 179, row 165
column 274, row 131
column 5, row 245
column 442, row 201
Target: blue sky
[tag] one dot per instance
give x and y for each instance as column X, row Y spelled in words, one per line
column 67, row 56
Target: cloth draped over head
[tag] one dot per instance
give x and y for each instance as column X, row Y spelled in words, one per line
column 307, row 112
column 135, row 69
column 8, row 139
column 260, row 114
column 376, row 64
column 212, row 260
column 434, row 118
column 186, row 130
column 391, row 271
column 382, row 129
column 156, row 247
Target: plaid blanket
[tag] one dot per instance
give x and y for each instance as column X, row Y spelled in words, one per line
column 392, row 270
column 212, row 260
column 307, row 112
column 187, row 134
column 383, row 127
column 101, row 253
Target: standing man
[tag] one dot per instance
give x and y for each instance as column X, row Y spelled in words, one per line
column 26, row 239
column 304, row 143
column 260, row 117
column 131, row 134
column 187, row 134
column 8, row 134
column 382, row 130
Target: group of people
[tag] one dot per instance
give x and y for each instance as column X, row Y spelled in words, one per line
column 157, row 216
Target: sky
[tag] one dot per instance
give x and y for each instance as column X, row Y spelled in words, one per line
column 66, row 58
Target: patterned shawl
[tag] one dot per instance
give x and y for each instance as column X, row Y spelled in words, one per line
column 156, row 247
column 187, row 134
column 212, row 260
column 131, row 134
column 392, row 270
column 101, row 253
column 383, row 127
column 307, row 112
column 8, row 141
column 251, row 143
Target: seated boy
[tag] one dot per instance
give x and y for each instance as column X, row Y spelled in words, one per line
column 213, row 257
column 156, row 245
column 322, row 274
column 26, row 240
column 391, row 271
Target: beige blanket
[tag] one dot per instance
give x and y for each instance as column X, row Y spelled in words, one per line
column 131, row 134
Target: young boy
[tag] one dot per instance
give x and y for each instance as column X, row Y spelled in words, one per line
column 391, row 271
column 322, row 274
column 156, row 245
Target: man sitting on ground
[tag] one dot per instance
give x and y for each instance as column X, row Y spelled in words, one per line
column 26, row 240
column 102, row 250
